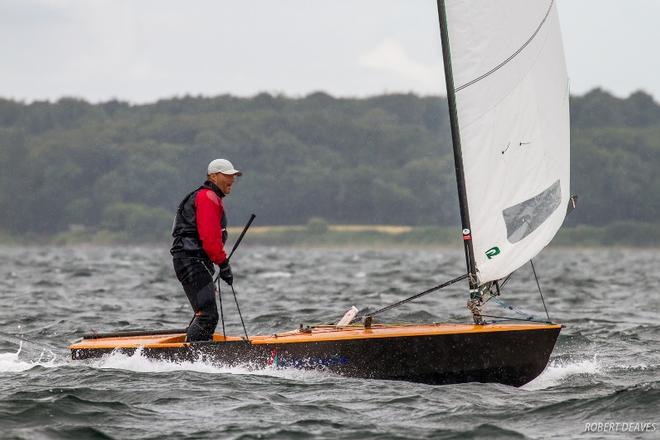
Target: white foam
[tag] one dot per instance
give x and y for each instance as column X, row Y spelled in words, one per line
column 11, row 362
column 138, row 362
column 275, row 274
column 635, row 367
column 558, row 371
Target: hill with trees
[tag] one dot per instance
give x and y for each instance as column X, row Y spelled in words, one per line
column 117, row 168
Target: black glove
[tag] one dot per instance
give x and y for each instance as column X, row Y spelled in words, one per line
column 225, row 273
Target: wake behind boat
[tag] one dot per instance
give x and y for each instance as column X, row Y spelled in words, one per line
column 507, row 91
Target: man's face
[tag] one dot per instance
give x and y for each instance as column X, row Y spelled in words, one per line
column 223, row 181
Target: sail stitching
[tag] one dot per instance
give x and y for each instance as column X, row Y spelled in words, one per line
column 515, row 54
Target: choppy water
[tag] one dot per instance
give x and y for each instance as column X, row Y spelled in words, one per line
column 605, row 368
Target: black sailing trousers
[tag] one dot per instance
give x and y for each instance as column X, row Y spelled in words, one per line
column 196, row 277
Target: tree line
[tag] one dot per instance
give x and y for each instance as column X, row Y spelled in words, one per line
column 123, row 168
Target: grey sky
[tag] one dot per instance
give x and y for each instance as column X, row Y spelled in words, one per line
column 144, row 50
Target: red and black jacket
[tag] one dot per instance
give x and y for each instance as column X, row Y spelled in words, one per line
column 200, row 225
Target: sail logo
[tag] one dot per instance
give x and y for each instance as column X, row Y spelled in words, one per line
column 492, row 252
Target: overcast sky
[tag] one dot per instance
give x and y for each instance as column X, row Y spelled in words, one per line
column 141, row 51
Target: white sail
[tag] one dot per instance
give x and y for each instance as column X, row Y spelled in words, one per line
column 512, row 96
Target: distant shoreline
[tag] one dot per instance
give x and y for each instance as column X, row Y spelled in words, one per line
column 321, row 234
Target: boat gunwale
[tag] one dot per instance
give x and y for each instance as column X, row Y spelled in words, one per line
column 317, row 334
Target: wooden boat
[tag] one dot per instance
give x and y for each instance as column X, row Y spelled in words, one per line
column 512, row 354
column 507, row 91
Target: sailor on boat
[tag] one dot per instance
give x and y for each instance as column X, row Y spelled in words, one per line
column 200, row 232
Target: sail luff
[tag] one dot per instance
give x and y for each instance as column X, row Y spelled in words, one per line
column 456, row 143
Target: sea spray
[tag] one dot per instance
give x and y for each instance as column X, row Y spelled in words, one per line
column 138, row 362
column 559, row 370
column 12, row 362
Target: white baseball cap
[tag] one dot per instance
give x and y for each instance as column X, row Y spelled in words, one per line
column 222, row 166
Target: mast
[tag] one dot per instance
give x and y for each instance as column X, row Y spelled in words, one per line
column 456, row 142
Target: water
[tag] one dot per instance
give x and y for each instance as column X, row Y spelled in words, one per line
column 605, row 368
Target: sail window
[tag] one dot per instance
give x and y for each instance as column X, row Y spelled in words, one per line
column 522, row 219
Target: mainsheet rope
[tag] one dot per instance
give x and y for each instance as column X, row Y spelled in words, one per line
column 411, row 298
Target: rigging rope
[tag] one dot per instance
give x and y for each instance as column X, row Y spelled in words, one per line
column 527, row 316
column 247, row 339
column 222, row 315
column 506, row 279
column 411, row 298
column 511, row 318
column 539, row 286
column 513, row 309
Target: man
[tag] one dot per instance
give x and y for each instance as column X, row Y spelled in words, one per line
column 200, row 232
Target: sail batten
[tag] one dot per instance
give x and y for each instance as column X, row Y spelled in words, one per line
column 512, row 123
column 500, row 65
